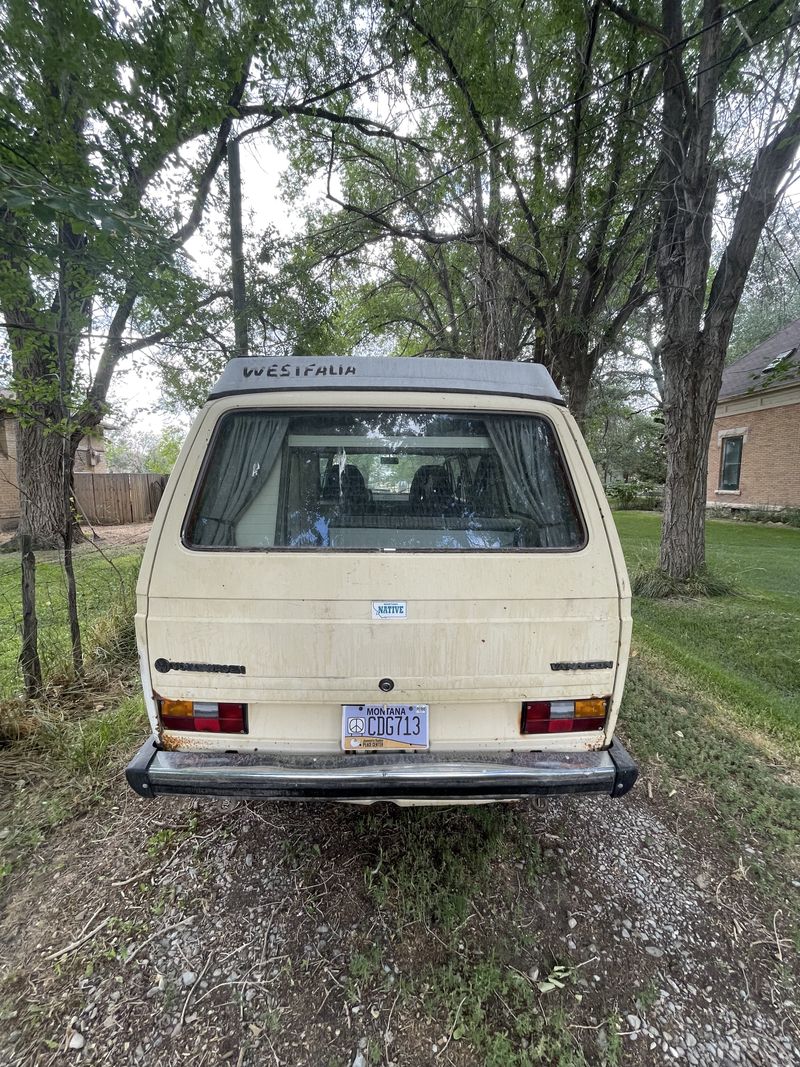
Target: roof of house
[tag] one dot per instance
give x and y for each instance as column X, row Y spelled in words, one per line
column 393, row 373
column 773, row 364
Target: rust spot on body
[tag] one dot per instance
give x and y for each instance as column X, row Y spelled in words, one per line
column 171, row 742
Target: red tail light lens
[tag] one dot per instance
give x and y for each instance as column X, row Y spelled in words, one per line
column 203, row 715
column 563, row 716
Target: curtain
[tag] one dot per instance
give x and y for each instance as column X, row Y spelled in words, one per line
column 535, row 486
column 246, row 451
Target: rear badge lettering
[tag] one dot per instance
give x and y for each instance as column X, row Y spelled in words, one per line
column 389, row 609
column 164, row 666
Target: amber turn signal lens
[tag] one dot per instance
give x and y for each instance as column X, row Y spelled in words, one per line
column 175, row 708
column 594, row 708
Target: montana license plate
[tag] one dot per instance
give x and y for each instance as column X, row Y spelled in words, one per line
column 384, row 727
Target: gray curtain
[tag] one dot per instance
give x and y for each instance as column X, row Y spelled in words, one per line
column 246, row 451
column 535, row 486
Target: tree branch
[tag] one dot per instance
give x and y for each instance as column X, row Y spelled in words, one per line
column 369, row 127
column 477, row 118
column 637, row 21
column 167, row 331
column 183, row 233
column 758, row 201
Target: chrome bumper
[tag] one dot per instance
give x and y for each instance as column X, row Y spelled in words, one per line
column 422, row 776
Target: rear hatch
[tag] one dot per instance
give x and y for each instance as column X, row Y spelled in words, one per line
column 468, row 616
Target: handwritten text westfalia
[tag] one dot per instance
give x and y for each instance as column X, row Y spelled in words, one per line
column 287, row 370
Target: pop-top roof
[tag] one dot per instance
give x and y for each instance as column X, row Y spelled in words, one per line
column 405, row 373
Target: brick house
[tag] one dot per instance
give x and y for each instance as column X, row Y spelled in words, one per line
column 90, row 457
column 754, row 454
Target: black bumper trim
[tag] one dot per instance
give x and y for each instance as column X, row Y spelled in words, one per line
column 424, row 776
column 627, row 769
column 137, row 771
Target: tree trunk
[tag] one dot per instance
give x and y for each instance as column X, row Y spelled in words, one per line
column 237, row 248
column 579, row 383
column 571, row 351
column 691, row 387
column 40, row 476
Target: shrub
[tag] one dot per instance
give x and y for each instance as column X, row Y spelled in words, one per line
column 784, row 516
column 635, row 496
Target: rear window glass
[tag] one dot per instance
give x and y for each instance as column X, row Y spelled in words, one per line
column 384, row 480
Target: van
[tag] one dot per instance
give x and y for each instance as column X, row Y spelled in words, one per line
column 383, row 579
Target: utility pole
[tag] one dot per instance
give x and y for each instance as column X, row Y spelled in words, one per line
column 237, row 248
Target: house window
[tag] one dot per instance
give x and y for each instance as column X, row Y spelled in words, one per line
column 731, row 462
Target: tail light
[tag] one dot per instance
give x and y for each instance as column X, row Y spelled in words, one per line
column 563, row 716
column 220, row 718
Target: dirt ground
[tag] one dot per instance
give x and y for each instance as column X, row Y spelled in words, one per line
column 135, row 533
column 216, row 932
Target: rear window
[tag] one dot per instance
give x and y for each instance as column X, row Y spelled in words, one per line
column 384, row 480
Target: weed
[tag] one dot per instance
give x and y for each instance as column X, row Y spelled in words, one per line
column 647, row 997
column 364, row 965
column 159, row 841
column 271, row 1020
column 612, row 1054
column 364, row 968
column 430, row 863
column 557, row 978
column 494, row 1009
column 374, row 1051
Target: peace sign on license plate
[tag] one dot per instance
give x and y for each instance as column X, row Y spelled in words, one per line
column 384, row 727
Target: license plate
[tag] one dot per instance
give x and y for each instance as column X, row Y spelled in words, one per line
column 384, row 727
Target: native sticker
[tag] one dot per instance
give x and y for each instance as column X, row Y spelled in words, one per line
column 389, row 609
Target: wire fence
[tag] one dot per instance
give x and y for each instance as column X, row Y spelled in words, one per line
column 106, row 580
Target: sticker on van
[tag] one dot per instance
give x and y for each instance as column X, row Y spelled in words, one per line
column 389, row 609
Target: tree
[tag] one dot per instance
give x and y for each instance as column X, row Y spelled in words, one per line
column 131, row 452
column 698, row 304
column 626, row 441
column 546, row 178
column 116, row 129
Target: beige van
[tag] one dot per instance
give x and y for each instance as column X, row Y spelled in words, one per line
column 383, row 579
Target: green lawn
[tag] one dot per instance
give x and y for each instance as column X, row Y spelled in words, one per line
column 744, row 650
column 105, row 593
column 712, row 704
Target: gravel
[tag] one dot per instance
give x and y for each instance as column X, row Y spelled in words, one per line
column 247, row 929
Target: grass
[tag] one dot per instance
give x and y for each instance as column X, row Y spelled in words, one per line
column 497, row 1011
column 712, row 702
column 430, row 865
column 742, row 652
column 105, row 606
column 59, row 769
column 655, row 584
